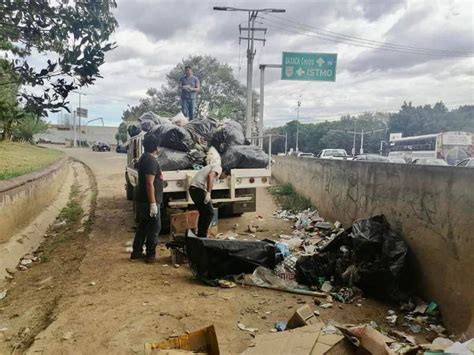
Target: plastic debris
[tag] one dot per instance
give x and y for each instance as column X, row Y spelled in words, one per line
column 326, row 286
column 280, row 326
column 226, row 284
column 3, row 294
column 247, row 329
column 326, row 305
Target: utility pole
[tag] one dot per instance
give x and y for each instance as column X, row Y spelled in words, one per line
column 362, row 142
column 362, row 133
column 252, row 15
column 354, row 142
column 297, row 125
column 79, row 115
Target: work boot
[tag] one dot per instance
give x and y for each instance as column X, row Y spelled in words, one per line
column 150, row 259
column 135, row 257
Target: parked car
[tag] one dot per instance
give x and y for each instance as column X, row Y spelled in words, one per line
column 101, row 147
column 397, row 160
column 467, row 163
column 371, row 157
column 122, row 148
column 305, row 155
column 333, row 154
column 430, row 161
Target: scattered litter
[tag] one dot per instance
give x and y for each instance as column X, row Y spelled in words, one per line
column 466, row 348
column 26, row 262
column 442, row 343
column 247, row 329
column 316, row 313
column 303, row 316
column 128, row 249
column 326, row 286
column 68, row 335
column 10, row 271
column 226, row 284
column 414, row 328
column 3, row 330
column 176, row 266
column 280, row 326
column 437, row 328
column 392, row 319
column 326, row 305
column 129, row 243
column 203, row 341
column 92, row 283
column 359, row 304
column 3, row 294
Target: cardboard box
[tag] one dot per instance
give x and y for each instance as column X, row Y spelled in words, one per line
column 182, row 221
column 202, row 341
column 303, row 316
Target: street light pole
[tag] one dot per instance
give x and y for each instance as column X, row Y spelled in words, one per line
column 252, row 15
column 297, row 125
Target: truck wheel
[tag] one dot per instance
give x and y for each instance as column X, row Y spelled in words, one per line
column 129, row 189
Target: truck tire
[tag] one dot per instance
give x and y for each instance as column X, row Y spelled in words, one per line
column 129, row 189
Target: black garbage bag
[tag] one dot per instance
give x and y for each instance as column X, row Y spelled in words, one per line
column 244, row 157
column 212, row 259
column 227, row 135
column 151, row 116
column 133, row 130
column 172, row 137
column 380, row 257
column 203, row 128
column 173, row 160
column 369, row 256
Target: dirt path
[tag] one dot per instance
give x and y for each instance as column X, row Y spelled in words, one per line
column 99, row 302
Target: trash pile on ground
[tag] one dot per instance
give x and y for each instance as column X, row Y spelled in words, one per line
column 185, row 145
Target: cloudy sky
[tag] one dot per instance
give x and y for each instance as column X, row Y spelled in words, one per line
column 154, row 35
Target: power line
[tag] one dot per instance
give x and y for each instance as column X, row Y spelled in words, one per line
column 302, row 31
column 369, row 41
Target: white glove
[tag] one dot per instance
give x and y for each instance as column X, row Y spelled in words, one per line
column 153, row 210
column 207, row 199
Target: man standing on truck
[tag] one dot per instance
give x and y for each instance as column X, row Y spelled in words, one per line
column 200, row 191
column 148, row 199
column 189, row 88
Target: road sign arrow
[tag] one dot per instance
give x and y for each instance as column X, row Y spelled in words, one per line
column 300, row 71
column 320, row 61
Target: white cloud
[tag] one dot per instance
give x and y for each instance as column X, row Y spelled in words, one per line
column 156, row 35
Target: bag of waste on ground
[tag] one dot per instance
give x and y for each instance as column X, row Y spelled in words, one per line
column 179, row 120
column 212, row 259
column 172, row 137
column 369, row 256
column 202, row 129
column 149, row 120
column 245, row 157
column 133, row 130
column 228, row 134
column 173, row 160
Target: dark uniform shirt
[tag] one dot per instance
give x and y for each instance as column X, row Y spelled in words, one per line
column 148, row 165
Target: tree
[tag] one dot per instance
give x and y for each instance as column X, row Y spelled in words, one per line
column 28, row 127
column 75, row 33
column 121, row 135
column 10, row 112
column 221, row 95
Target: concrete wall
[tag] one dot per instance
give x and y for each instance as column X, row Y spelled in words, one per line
column 432, row 206
column 24, row 197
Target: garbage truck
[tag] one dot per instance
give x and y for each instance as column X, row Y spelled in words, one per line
column 233, row 195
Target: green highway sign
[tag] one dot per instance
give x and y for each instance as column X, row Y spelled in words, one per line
column 309, row 66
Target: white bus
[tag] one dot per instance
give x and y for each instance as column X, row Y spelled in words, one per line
column 450, row 146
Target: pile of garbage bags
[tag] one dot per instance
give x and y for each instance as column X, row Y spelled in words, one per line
column 185, row 144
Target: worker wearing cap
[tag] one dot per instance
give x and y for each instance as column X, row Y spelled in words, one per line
column 200, row 191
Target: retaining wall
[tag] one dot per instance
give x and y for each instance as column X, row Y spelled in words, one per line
column 24, row 197
column 432, row 206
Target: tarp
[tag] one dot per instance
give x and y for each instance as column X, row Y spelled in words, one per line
column 212, row 259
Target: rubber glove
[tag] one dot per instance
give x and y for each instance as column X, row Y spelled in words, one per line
column 153, row 210
column 207, row 199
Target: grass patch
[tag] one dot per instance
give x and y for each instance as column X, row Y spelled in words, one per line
column 22, row 158
column 72, row 213
column 288, row 199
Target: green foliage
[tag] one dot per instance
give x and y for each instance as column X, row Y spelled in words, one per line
column 27, row 127
column 221, row 95
column 427, row 119
column 288, row 199
column 121, row 135
column 410, row 121
column 315, row 137
column 74, row 33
